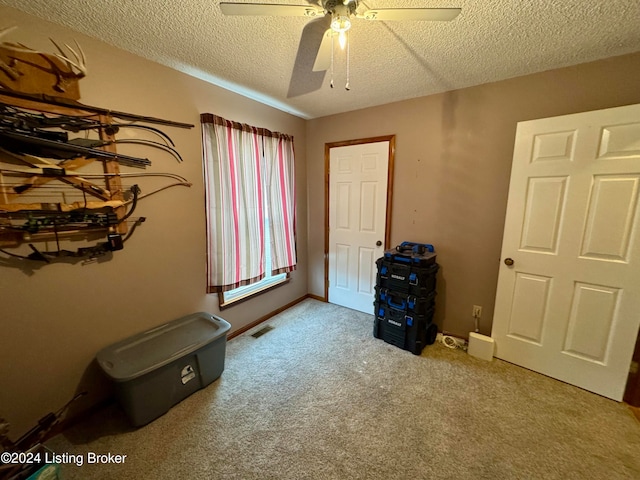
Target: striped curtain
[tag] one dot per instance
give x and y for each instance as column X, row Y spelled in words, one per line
column 246, row 175
column 280, row 174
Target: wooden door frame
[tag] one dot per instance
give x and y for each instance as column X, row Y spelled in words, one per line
column 327, row 161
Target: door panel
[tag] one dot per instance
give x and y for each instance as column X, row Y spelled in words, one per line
column 610, row 217
column 590, row 322
column 343, row 197
column 543, row 214
column 368, row 204
column 530, row 298
column 554, row 146
column 620, row 141
column 342, row 266
column 568, row 307
column 357, row 221
column 366, row 271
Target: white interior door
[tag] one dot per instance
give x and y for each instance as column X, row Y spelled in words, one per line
column 357, row 218
column 569, row 306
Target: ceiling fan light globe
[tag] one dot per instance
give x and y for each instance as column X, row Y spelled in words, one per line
column 340, row 23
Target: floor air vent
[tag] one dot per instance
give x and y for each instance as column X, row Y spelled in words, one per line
column 262, row 331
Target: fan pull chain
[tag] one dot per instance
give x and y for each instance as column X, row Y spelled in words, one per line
column 347, row 87
column 332, row 44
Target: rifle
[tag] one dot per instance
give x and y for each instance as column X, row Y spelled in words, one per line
column 18, row 142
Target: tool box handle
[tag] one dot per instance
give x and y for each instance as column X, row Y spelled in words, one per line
column 397, row 306
column 418, row 248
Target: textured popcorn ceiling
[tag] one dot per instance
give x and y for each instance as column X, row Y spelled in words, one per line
column 490, row 40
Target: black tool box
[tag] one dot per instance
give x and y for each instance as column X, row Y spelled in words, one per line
column 410, row 332
column 404, row 302
column 406, row 278
column 405, row 297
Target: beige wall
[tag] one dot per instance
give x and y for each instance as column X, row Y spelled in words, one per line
column 453, row 160
column 452, row 167
column 54, row 319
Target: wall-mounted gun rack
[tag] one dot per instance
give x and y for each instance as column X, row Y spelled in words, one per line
column 40, row 177
column 44, row 197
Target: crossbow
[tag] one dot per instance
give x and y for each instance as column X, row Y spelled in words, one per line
column 58, row 222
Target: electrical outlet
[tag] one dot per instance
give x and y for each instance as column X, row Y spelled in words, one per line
column 477, row 311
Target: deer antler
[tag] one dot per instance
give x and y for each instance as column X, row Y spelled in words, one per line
column 67, row 65
column 80, row 60
column 11, row 72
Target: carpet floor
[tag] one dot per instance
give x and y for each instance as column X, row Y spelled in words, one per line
column 318, row 397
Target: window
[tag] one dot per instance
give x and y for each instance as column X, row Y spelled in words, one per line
column 250, row 200
column 268, row 282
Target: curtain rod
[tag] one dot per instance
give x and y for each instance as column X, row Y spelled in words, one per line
column 215, row 119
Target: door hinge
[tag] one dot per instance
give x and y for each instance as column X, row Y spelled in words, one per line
column 633, row 369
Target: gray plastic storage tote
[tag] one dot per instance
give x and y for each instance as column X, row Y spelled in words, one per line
column 154, row 370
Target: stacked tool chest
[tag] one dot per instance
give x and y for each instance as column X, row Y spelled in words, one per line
column 405, row 297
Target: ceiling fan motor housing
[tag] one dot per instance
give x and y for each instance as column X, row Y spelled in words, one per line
column 339, row 7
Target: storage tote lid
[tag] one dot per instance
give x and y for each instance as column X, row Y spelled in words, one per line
column 150, row 350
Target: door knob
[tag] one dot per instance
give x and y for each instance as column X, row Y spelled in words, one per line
column 508, row 261
column 378, row 243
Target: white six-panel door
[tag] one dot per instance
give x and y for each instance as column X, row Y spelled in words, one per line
column 357, row 217
column 569, row 305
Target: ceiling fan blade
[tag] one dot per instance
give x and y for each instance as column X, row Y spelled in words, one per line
column 270, row 9
column 323, row 58
column 428, row 14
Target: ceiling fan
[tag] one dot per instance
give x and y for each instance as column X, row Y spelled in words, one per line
column 340, row 12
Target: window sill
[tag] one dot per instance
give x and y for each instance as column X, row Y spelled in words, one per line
column 223, row 304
